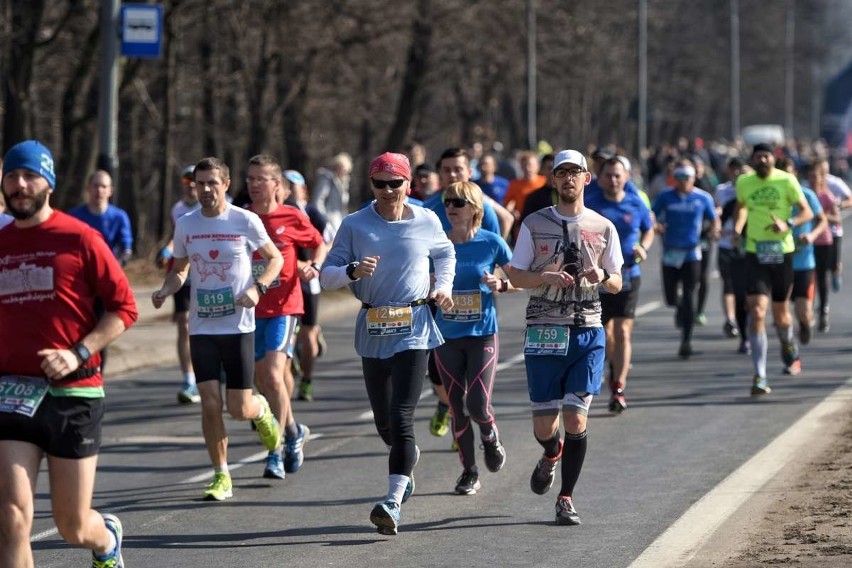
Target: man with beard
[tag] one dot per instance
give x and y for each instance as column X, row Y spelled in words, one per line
column 765, row 198
column 54, row 268
column 565, row 248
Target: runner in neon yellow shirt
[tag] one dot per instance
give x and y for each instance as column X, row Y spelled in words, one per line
column 765, row 199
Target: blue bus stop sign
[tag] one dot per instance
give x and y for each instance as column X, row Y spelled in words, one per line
column 141, row 30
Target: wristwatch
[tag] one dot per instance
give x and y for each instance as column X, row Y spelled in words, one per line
column 790, row 223
column 350, row 270
column 261, row 287
column 82, row 353
column 606, row 275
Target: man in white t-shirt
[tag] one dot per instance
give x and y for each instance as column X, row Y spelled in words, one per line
column 216, row 244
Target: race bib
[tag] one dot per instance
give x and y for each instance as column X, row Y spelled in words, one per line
column 547, row 340
column 22, row 395
column 467, row 306
column 674, row 257
column 389, row 320
column 258, row 267
column 769, row 252
column 216, row 303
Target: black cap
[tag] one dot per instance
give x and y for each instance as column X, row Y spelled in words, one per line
column 763, row 147
column 424, row 168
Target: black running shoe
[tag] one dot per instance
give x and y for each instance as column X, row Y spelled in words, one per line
column 685, row 351
column 468, row 483
column 544, row 473
column 566, row 514
column 617, row 403
column 495, row 454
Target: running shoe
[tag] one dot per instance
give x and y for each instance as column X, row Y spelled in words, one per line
column 440, row 424
column 566, row 514
column 730, row 329
column 495, row 454
column 386, row 517
column 409, row 489
column 274, row 467
column 114, row 560
column 468, row 483
column 294, row 454
column 617, row 403
column 685, row 351
column 189, row 395
column 760, row 386
column 700, row 319
column 267, row 427
column 544, row 473
column 789, row 353
column 745, row 347
column 220, row 488
column 836, row 282
column 306, row 390
column 794, row 368
column 804, row 333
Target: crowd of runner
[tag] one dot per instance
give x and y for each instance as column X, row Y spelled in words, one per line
column 426, row 256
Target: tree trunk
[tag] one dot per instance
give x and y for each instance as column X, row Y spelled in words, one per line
column 18, row 72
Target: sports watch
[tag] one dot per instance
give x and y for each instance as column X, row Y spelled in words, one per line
column 261, row 287
column 82, row 352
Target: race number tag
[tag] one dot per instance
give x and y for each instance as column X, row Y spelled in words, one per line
column 216, row 303
column 389, row 320
column 467, row 306
column 547, row 340
column 21, row 395
column 769, row 252
column 674, row 257
column 258, row 267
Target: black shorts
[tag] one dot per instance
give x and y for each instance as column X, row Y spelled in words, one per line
column 233, row 352
column 311, row 315
column 623, row 304
column 803, row 284
column 728, row 260
column 63, row 426
column 774, row 280
column 182, row 298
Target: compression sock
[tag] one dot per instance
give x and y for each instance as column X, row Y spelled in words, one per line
column 573, row 454
column 758, row 352
column 551, row 446
column 396, row 487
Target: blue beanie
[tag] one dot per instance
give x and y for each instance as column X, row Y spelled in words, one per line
column 294, row 177
column 31, row 155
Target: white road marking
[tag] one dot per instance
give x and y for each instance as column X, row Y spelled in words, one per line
column 683, row 539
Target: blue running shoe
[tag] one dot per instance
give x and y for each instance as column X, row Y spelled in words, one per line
column 294, row 454
column 409, row 489
column 114, row 560
column 189, row 395
column 274, row 467
column 386, row 517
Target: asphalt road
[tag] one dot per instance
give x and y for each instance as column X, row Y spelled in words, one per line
column 689, row 425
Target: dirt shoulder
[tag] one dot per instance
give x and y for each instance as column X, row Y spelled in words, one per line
column 802, row 518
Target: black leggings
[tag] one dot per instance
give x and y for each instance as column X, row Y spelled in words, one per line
column 824, row 259
column 687, row 277
column 467, row 366
column 393, row 387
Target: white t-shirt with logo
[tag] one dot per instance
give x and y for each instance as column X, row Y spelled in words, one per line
column 219, row 250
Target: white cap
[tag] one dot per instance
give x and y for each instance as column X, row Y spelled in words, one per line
column 569, row 157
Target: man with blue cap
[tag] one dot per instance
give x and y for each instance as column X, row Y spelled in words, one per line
column 61, row 267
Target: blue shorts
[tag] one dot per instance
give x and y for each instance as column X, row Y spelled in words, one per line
column 550, row 378
column 274, row 334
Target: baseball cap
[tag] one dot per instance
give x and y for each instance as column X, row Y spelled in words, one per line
column 34, row 156
column 391, row 163
column 763, row 147
column 602, row 154
column 294, row 177
column 424, row 168
column 569, row 157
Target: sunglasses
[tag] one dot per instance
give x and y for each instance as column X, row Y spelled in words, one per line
column 381, row 184
column 457, row 202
